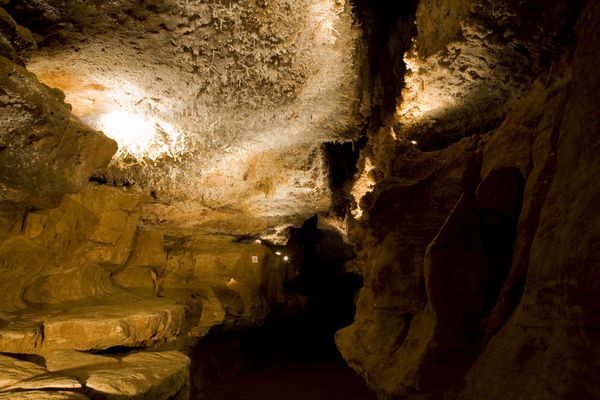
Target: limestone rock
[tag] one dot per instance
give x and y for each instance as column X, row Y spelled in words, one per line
column 501, row 307
column 491, row 50
column 149, row 249
column 144, row 375
column 20, row 337
column 107, row 326
column 58, row 360
column 13, row 370
column 393, row 326
column 547, row 349
column 43, row 395
column 213, row 313
column 58, row 254
column 35, row 120
column 49, row 381
column 141, row 376
column 252, row 73
column 14, row 38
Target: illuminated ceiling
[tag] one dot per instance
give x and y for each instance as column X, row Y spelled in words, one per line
column 219, row 108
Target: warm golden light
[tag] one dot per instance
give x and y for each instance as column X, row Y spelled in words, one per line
column 423, row 97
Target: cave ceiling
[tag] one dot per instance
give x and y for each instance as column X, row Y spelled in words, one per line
column 219, row 108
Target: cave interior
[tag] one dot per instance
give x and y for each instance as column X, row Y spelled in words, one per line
column 299, row 199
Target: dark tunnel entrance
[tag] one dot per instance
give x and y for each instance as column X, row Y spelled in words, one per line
column 293, row 355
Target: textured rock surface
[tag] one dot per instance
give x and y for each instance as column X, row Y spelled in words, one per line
column 145, row 375
column 470, row 62
column 14, row 370
column 101, row 327
column 548, row 347
column 141, row 376
column 489, row 293
column 208, row 99
column 45, row 382
column 475, row 215
column 90, row 274
column 45, row 395
column 45, row 152
column 14, row 39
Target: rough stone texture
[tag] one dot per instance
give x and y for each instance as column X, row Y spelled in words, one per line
column 144, row 375
column 478, row 253
column 45, row 382
column 101, row 327
column 548, row 347
column 43, row 395
column 490, row 294
column 14, row 39
column 141, row 376
column 45, row 151
column 58, row 360
column 403, row 216
column 470, row 62
column 208, row 99
column 20, row 336
column 14, row 370
column 90, row 274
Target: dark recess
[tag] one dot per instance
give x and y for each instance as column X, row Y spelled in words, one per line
column 341, row 159
column 388, row 28
column 290, row 347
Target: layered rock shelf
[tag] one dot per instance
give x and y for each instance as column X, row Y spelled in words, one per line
column 72, row 375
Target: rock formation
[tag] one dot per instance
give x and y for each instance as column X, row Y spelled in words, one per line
column 156, row 155
column 477, row 258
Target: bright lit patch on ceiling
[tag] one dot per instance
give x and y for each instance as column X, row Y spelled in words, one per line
column 140, row 136
column 114, row 111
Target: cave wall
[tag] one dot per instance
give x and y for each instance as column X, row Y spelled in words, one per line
column 95, row 300
column 45, row 152
column 479, row 258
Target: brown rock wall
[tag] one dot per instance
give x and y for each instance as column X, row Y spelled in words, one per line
column 496, row 300
column 45, row 151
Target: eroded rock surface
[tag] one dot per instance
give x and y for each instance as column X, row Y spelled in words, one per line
column 40, row 394
column 90, row 275
column 45, row 151
column 208, row 99
column 486, row 294
column 472, row 60
column 74, row 375
column 475, row 217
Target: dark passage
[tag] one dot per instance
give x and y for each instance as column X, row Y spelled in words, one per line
column 262, row 365
column 293, row 356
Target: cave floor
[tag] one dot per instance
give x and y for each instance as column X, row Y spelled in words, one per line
column 285, row 377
